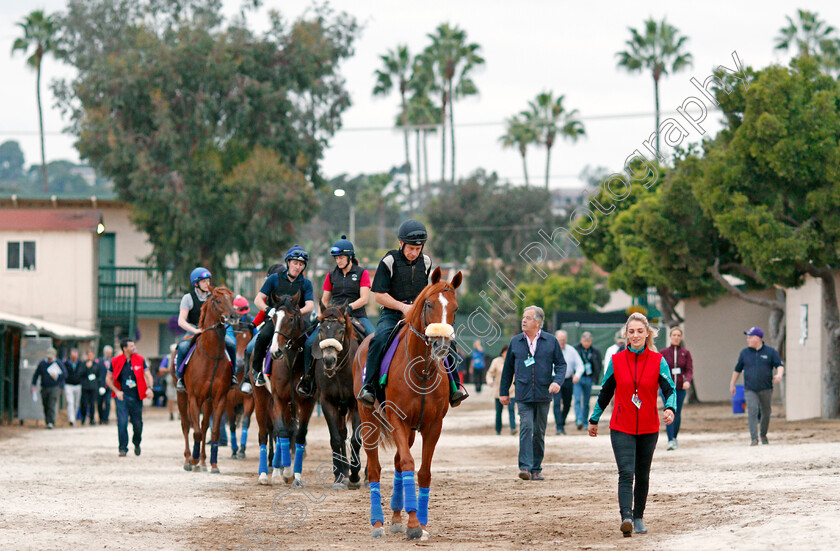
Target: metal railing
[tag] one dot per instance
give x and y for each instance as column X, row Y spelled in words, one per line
column 154, row 287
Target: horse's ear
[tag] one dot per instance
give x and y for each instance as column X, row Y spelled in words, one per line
column 321, row 306
column 436, row 275
column 296, row 298
column 456, row 281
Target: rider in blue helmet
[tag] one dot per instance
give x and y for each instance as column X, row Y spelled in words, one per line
column 188, row 318
column 287, row 282
column 348, row 284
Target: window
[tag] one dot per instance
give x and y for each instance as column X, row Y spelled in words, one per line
column 20, row 255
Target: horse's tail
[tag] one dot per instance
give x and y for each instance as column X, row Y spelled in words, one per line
column 384, row 429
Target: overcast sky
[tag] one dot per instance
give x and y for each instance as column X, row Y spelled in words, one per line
column 529, row 46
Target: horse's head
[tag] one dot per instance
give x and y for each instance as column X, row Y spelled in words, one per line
column 434, row 311
column 288, row 323
column 218, row 309
column 334, row 335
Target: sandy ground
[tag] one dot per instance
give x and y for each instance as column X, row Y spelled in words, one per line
column 67, row 489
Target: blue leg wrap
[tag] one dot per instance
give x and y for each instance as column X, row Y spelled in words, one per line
column 277, row 462
column 214, row 453
column 423, row 506
column 196, row 450
column 299, row 449
column 263, row 459
column 285, row 455
column 233, row 446
column 375, row 505
column 244, row 436
column 410, row 491
column 397, row 496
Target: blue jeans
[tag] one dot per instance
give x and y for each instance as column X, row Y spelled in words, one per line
column 674, row 428
column 582, row 392
column 533, row 417
column 511, row 414
column 129, row 407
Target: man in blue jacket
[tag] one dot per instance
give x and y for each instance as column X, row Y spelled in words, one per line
column 537, row 361
column 52, row 373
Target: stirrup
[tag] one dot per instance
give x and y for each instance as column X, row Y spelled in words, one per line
column 179, row 386
column 367, row 396
column 305, row 387
column 459, row 395
column 259, row 379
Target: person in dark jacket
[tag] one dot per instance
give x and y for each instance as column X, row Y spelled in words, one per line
column 590, row 370
column 536, row 360
column 52, row 373
column 682, row 371
column 72, row 386
column 757, row 362
column 89, row 377
column 104, row 402
column 633, row 377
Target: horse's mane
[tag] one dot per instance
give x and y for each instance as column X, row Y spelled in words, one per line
column 214, row 291
column 332, row 309
column 413, row 315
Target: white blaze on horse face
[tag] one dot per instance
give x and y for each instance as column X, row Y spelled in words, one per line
column 442, row 329
column 443, row 303
column 277, row 323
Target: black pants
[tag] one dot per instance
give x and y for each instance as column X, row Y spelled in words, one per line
column 261, row 345
column 479, row 378
column 103, row 403
column 49, row 398
column 88, row 408
column 563, row 403
column 633, row 455
column 376, row 350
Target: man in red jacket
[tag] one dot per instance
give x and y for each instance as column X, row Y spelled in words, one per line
column 130, row 381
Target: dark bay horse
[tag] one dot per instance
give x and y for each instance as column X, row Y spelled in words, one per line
column 207, row 380
column 240, row 406
column 333, row 355
column 282, row 413
column 416, row 400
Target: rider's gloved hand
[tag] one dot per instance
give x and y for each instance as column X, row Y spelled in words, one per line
column 270, row 313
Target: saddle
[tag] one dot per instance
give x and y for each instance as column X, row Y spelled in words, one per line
column 390, row 350
column 193, row 342
column 360, row 330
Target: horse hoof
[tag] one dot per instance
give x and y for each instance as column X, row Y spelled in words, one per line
column 296, row 483
column 354, row 485
column 378, row 532
column 338, row 486
column 196, row 468
column 264, row 479
column 425, row 537
column 241, row 454
column 187, row 466
column 397, row 529
column 275, row 476
column 215, row 470
column 204, row 468
column 414, row 533
column 234, row 455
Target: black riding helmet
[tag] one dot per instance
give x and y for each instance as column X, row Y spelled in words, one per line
column 412, row 232
column 344, row 247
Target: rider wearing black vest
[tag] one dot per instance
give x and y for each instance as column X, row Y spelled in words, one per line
column 347, row 284
column 287, row 282
column 194, row 315
column 401, row 276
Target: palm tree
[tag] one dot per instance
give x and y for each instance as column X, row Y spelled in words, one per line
column 396, row 68
column 424, row 117
column 39, row 34
column 807, row 35
column 660, row 49
column 549, row 118
column 451, row 59
column 520, row 134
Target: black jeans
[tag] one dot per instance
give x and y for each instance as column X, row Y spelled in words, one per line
column 103, row 403
column 261, row 345
column 633, row 455
column 479, row 378
column 376, row 350
column 563, row 403
column 88, row 409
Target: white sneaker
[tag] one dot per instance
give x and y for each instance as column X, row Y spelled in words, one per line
column 672, row 445
column 676, row 445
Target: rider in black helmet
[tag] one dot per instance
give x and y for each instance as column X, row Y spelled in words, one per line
column 401, row 276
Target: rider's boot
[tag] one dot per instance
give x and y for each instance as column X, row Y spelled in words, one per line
column 306, row 386
column 179, row 386
column 457, row 394
column 259, row 378
column 367, row 395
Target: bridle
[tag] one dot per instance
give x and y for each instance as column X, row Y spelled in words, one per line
column 331, row 372
column 296, row 322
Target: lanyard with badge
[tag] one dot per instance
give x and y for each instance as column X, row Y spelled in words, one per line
column 675, row 370
column 529, row 361
column 635, row 399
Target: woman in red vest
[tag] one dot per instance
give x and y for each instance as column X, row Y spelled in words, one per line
column 634, row 376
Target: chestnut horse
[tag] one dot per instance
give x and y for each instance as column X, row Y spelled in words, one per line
column 240, row 406
column 207, row 379
column 333, row 355
column 282, row 413
column 416, row 400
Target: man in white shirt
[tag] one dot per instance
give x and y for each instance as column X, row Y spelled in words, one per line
column 563, row 399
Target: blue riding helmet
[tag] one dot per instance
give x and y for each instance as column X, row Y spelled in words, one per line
column 343, row 247
column 199, row 274
column 297, row 253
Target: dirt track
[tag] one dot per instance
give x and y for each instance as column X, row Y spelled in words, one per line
column 67, row 489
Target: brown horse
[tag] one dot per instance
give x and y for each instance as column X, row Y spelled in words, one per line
column 240, row 406
column 207, row 381
column 333, row 354
column 282, row 413
column 416, row 400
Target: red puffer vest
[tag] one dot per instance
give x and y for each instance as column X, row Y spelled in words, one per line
column 137, row 366
column 636, row 371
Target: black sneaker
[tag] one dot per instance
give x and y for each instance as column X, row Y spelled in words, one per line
column 366, row 396
column 259, row 379
column 137, row 450
column 457, row 396
column 180, row 385
column 123, row 454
